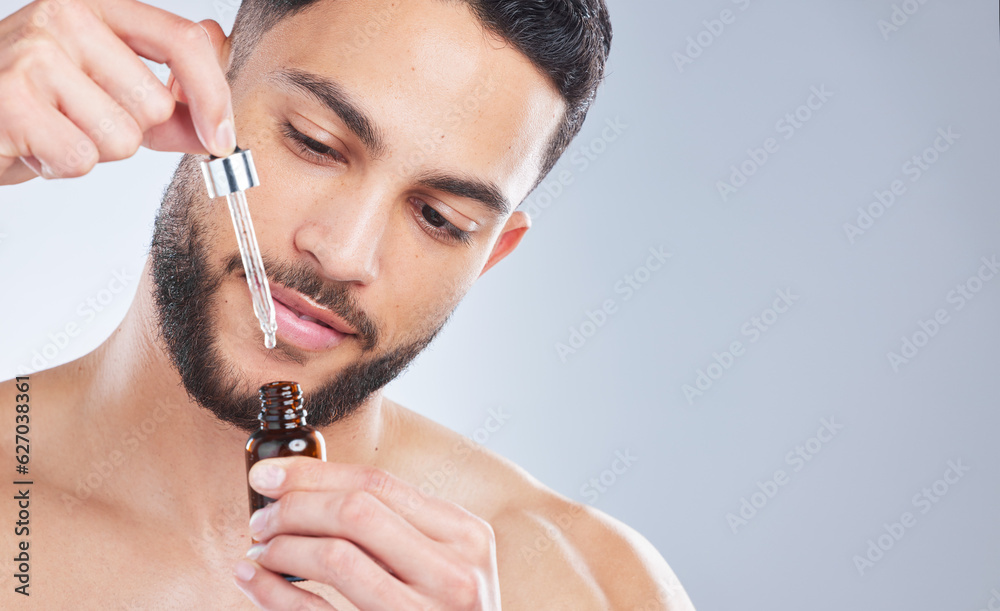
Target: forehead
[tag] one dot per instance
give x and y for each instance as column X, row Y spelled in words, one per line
column 443, row 91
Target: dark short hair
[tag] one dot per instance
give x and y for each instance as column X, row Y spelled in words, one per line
column 568, row 40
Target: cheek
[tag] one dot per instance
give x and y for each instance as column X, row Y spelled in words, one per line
column 210, row 220
column 427, row 292
column 287, row 184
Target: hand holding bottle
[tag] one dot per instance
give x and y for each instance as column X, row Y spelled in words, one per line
column 379, row 541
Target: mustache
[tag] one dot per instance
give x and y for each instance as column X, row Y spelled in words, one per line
column 334, row 296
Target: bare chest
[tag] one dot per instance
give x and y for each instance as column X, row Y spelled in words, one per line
column 87, row 559
column 81, row 562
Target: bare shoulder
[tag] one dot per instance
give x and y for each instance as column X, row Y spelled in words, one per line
column 550, row 549
column 601, row 562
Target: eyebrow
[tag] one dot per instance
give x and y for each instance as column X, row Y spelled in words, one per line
column 484, row 192
column 332, row 95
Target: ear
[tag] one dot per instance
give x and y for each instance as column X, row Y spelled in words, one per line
column 220, row 43
column 515, row 228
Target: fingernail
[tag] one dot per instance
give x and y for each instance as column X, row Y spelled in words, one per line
column 244, row 570
column 225, row 136
column 255, row 551
column 38, row 167
column 267, row 476
column 259, row 520
column 33, row 164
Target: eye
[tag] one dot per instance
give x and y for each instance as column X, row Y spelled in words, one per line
column 438, row 226
column 311, row 149
column 433, row 216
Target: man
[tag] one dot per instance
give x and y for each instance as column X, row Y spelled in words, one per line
column 393, row 140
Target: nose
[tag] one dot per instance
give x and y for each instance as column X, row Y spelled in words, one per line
column 344, row 237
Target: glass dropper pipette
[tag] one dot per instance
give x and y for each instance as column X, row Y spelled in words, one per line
column 232, row 176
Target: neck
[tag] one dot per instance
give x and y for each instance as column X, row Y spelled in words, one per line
column 184, row 463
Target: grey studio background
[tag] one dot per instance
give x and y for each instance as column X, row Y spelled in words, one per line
column 806, row 467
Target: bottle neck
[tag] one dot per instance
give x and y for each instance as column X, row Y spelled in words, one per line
column 281, row 406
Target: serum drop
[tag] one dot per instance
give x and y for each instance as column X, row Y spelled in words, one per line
column 283, row 432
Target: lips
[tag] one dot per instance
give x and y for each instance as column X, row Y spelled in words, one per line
column 306, row 325
column 306, row 316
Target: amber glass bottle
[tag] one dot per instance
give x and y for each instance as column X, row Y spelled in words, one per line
column 283, row 432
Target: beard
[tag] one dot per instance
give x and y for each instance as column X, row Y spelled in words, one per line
column 185, row 295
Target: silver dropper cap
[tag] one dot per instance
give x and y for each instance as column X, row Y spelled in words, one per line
column 231, row 176
column 225, row 175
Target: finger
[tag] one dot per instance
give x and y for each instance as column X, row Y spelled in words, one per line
column 339, row 563
column 186, row 47
column 58, row 146
column 217, row 38
column 111, row 64
column 19, row 170
column 34, row 130
column 270, row 591
column 361, row 518
column 175, row 89
column 436, row 518
column 177, row 134
column 106, row 123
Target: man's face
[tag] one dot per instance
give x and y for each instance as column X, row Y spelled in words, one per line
column 389, row 139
